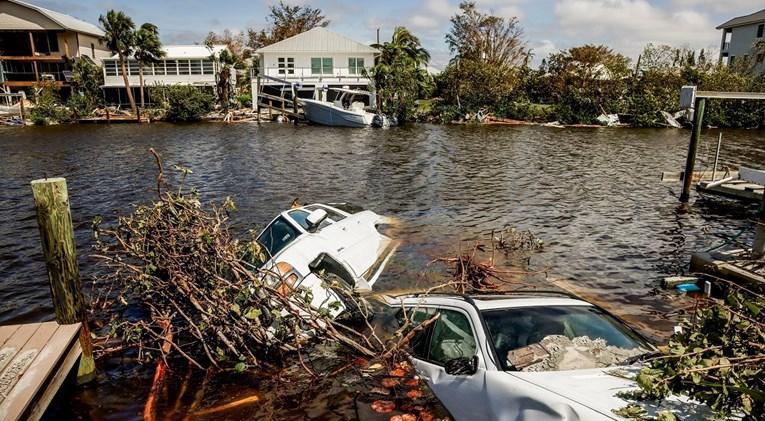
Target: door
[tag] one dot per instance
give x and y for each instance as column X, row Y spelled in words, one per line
column 452, row 336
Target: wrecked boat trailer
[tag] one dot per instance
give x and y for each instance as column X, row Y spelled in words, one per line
column 528, row 356
column 311, row 247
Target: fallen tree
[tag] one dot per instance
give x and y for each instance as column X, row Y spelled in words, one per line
column 195, row 291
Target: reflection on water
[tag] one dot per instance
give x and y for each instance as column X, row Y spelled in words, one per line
column 610, row 228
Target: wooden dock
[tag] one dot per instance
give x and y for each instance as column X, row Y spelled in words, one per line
column 733, row 189
column 35, row 359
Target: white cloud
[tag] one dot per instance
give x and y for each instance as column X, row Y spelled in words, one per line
column 542, row 49
column 627, row 25
column 728, row 7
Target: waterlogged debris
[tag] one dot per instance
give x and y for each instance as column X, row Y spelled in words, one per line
column 383, row 407
column 513, row 239
column 558, row 352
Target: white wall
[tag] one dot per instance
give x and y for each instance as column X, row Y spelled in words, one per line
column 741, row 41
column 302, row 72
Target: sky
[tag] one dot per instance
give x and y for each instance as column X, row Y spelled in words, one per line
column 549, row 25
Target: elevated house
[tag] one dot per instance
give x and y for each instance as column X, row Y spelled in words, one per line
column 37, row 44
column 739, row 37
column 191, row 65
column 314, row 60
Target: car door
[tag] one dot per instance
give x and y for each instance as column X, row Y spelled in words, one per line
column 452, row 336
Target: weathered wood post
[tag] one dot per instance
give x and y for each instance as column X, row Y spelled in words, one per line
column 108, row 116
column 758, row 247
column 59, row 250
column 698, row 119
column 21, row 107
column 294, row 101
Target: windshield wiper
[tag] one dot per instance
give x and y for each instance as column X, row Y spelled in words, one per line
column 640, row 357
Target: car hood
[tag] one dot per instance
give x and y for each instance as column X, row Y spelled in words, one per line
column 598, row 390
column 356, row 240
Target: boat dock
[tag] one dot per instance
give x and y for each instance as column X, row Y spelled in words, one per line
column 35, row 359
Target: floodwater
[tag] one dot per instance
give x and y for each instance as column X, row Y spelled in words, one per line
column 612, row 231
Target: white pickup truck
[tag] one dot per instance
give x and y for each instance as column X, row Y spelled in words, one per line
column 304, row 242
column 527, row 356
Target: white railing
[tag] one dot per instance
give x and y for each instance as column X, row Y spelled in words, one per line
column 302, row 73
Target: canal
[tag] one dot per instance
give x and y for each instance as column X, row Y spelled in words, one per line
column 611, row 229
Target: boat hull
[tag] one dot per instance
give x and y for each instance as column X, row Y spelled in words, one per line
column 326, row 114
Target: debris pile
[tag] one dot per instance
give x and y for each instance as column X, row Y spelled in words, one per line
column 513, row 239
column 178, row 283
column 558, row 352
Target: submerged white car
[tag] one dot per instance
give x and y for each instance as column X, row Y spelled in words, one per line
column 310, row 240
column 535, row 356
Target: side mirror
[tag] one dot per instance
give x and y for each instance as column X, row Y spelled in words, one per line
column 462, row 366
column 315, row 218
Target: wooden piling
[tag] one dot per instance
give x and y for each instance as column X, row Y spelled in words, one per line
column 256, row 98
column 698, row 119
column 758, row 246
column 54, row 219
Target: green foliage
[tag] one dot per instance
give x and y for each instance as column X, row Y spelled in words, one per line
column 285, row 21
column 718, row 358
column 48, row 108
column 587, row 81
column 474, row 84
column 399, row 74
column 244, row 100
column 184, row 103
column 87, row 79
column 120, row 37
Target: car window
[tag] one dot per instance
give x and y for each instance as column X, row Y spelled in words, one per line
column 277, row 236
column 331, row 213
column 418, row 345
column 537, row 337
column 452, row 337
column 299, row 216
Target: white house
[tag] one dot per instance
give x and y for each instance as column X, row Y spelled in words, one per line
column 40, row 44
column 315, row 59
column 191, row 65
column 738, row 39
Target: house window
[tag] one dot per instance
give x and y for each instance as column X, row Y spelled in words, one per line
column 183, row 67
column 355, row 65
column 760, row 30
column 110, row 67
column 133, row 67
column 321, row 65
column 171, row 67
column 196, row 67
column 45, row 42
column 286, row 65
column 208, row 67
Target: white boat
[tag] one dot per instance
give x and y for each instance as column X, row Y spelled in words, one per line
column 345, row 111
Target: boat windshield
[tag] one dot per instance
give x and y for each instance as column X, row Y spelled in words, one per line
column 554, row 338
column 277, row 236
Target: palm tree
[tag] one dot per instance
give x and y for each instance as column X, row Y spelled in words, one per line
column 148, row 50
column 119, row 33
column 399, row 70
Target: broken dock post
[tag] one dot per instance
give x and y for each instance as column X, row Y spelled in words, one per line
column 54, row 219
column 693, row 147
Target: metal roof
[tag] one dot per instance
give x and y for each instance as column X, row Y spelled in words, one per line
column 189, row 51
column 65, row 21
column 756, row 17
column 317, row 40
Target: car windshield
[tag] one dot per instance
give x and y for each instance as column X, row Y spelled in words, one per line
column 556, row 338
column 277, row 236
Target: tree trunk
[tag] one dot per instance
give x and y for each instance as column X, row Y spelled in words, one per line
column 140, row 81
column 127, row 84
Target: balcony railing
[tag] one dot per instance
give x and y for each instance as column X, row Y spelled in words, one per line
column 725, row 46
column 307, row 73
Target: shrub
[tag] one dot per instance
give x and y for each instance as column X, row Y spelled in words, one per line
column 184, row 103
column 47, row 109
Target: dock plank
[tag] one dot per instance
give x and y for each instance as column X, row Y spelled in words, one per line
column 5, row 333
column 31, row 368
column 12, row 347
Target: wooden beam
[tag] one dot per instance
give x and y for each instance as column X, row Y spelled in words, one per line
column 55, row 59
column 23, row 84
column 34, row 63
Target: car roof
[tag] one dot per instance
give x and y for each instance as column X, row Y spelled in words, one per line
column 493, row 302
